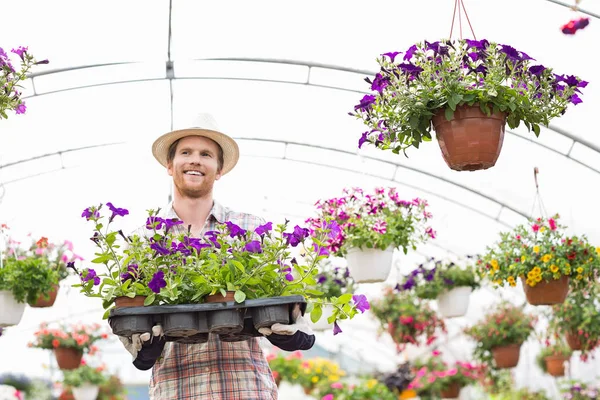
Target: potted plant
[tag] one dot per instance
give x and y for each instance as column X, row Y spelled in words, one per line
column 365, row 389
column 85, row 381
column 229, row 264
column 543, row 258
column 446, row 282
column 285, row 367
column 408, row 319
column 112, row 389
column 20, row 383
column 473, row 87
column 397, row 382
column 68, row 343
column 372, row 225
column 10, row 80
column 552, row 358
column 333, row 282
column 575, row 390
column 500, row 334
column 436, row 378
column 318, row 371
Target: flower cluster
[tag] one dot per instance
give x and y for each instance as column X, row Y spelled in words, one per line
column 555, row 350
column 437, row 77
column 506, row 325
column 406, row 318
column 379, row 220
column 369, row 389
column 79, row 337
column 436, row 375
column 540, row 252
column 10, row 96
column 318, row 371
column 85, row 374
column 285, row 368
column 334, row 281
column 435, row 277
column 571, row 27
column 580, row 391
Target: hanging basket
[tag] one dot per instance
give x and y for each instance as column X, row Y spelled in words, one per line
column 555, row 365
column 507, row 356
column 11, row 312
column 370, row 265
column 471, row 140
column 46, row 300
column 455, row 302
column 546, row 293
column 573, row 341
column 451, row 392
column 68, row 358
column 86, row 392
column 322, row 325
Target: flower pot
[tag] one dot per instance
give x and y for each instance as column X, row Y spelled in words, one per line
column 124, row 301
column 180, row 324
column 555, row 365
column 194, row 339
column 471, row 140
column 369, row 265
column 308, row 390
column 507, row 356
column 573, row 340
column 547, row 292
column 131, row 324
column 265, row 317
column 278, row 381
column 451, row 392
column 218, row 297
column 224, row 322
column 455, row 302
column 46, row 300
column 10, row 311
column 322, row 324
column 68, row 358
column 85, row 392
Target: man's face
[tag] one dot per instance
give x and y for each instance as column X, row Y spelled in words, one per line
column 194, row 166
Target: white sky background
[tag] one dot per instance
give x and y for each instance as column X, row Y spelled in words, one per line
column 342, row 33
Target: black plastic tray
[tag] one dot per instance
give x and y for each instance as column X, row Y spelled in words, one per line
column 192, row 323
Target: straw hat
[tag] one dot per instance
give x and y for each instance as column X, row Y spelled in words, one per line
column 206, row 126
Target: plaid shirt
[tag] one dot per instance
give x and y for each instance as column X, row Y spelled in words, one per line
column 213, row 370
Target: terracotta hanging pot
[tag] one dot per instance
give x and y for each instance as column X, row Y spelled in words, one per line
column 506, row 356
column 278, row 381
column 471, row 140
column 546, row 293
column 68, row 358
column 218, row 297
column 451, row 392
column 555, row 365
column 48, row 300
column 573, row 340
column 124, row 301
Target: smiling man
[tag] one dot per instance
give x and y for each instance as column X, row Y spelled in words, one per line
column 196, row 158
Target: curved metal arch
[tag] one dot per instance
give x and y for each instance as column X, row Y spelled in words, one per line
column 309, row 65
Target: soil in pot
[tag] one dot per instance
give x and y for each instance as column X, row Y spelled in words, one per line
column 46, row 300
column 471, row 140
column 68, row 358
column 546, row 293
column 507, row 356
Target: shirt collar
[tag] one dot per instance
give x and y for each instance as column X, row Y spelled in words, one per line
column 218, row 212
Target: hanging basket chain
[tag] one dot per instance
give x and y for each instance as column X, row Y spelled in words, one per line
column 538, row 197
column 458, row 4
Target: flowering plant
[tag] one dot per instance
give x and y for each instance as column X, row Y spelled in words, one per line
column 574, row 390
column 285, row 368
column 380, row 220
column 318, row 371
column 173, row 268
column 506, row 325
column 539, row 252
column 407, row 319
column 436, row 277
column 84, row 374
column 574, row 25
column 439, row 76
column 10, row 98
column 436, row 375
column 369, row 389
column 334, row 281
column 557, row 349
column 79, row 337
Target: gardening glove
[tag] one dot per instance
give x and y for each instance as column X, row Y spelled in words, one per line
column 144, row 348
column 292, row 337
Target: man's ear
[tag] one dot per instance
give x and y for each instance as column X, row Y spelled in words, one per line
column 170, row 168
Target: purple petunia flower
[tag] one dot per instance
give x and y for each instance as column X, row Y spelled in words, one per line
column 410, row 69
column 575, row 99
column 157, row 282
column 392, row 55
column 159, row 248
column 365, row 103
column 21, row 108
column 212, row 237
column 361, row 302
column 264, row 229
column 363, row 139
column 171, row 222
column 89, row 214
column 537, row 70
column 154, row 223
column 297, row 236
column 253, row 247
column 477, row 44
column 409, row 53
column 20, row 51
column 88, row 275
column 380, row 83
column 234, row 230
column 336, row 328
column 121, row 212
column 322, row 279
column 132, row 273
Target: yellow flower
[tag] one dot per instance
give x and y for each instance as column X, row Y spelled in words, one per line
column 498, row 281
column 510, row 279
column 547, row 257
column 536, row 249
column 579, row 270
column 530, row 275
column 542, row 229
column 513, row 284
column 591, row 259
column 334, row 378
column 523, row 258
column 598, row 250
column 491, row 273
column 580, row 277
column 538, row 278
column 315, row 379
column 567, row 271
column 554, row 268
column 371, row 383
column 494, row 264
column 531, row 282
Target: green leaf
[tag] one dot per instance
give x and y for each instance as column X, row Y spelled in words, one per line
column 536, row 129
column 345, row 298
column 106, row 313
column 150, row 299
column 316, row 313
column 102, row 259
column 239, row 296
column 238, row 265
column 223, row 292
column 449, row 114
column 131, row 295
column 314, row 292
column 231, row 286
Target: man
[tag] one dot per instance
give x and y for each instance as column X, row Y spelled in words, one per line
column 215, row 370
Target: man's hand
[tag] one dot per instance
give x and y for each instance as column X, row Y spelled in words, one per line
column 144, row 348
column 292, row 337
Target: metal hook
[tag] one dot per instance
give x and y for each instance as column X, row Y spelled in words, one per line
column 536, row 171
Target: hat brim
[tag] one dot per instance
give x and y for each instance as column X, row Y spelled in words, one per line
column 231, row 151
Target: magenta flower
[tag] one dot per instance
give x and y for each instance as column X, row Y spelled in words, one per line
column 361, row 302
column 380, row 227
